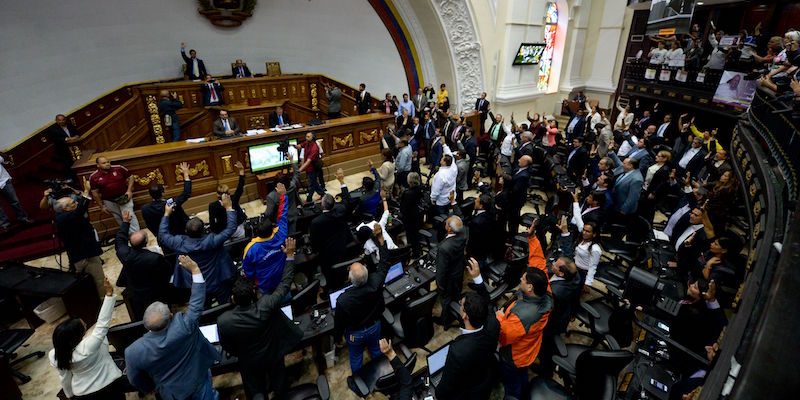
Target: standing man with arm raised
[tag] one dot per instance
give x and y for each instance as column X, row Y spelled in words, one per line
column 167, row 107
column 334, row 96
column 195, row 68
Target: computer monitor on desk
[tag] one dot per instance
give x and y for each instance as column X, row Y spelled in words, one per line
column 395, row 272
column 335, row 295
column 211, row 333
column 436, row 362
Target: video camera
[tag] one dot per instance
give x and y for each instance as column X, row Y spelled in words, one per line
column 283, row 145
column 60, row 187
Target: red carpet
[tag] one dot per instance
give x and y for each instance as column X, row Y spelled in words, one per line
column 27, row 242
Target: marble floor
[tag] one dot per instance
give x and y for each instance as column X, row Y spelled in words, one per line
column 300, row 367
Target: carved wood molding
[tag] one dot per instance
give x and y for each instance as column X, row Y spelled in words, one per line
column 201, row 167
column 155, row 118
column 340, row 142
column 152, row 176
column 368, row 136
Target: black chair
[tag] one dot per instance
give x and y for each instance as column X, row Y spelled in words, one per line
column 636, row 233
column 10, row 341
column 414, row 323
column 123, row 335
column 311, row 391
column 337, row 277
column 305, row 298
column 210, row 316
column 502, row 272
column 608, row 320
column 467, row 207
column 596, row 373
column 400, row 254
column 378, row 374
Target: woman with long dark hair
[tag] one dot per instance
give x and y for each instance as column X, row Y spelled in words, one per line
column 83, row 363
column 585, row 249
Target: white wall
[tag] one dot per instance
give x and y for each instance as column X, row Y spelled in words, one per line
column 56, row 55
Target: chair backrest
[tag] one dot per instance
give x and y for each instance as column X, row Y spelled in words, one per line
column 388, row 384
column 597, row 370
column 401, row 254
column 417, row 320
column 210, row 316
column 122, row 336
column 515, row 269
column 305, row 298
column 337, row 277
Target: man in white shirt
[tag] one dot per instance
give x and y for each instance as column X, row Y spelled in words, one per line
column 406, row 104
column 507, row 153
column 444, row 182
column 377, row 228
column 691, row 152
column 628, row 143
column 7, row 191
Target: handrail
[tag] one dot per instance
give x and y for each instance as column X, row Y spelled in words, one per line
column 93, row 131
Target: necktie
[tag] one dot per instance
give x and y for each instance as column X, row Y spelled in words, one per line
column 225, row 122
column 195, row 68
column 495, row 130
column 213, row 92
column 241, row 71
column 280, row 119
column 455, row 133
column 661, row 130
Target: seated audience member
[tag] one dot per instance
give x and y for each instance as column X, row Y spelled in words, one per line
column 173, row 357
column 586, row 250
column 657, row 55
column 258, row 334
column 168, row 109
column 153, row 211
column 262, row 261
column 240, row 70
column 330, row 233
column 481, row 230
column 207, row 250
column 386, row 171
column 410, row 212
column 84, row 364
column 374, row 229
column 78, row 236
column 450, row 267
column 195, row 68
column 716, row 264
column 469, row 369
column 144, row 273
column 593, row 209
column 290, row 182
column 112, row 189
column 212, row 92
column 521, row 325
column 217, row 218
column 279, row 118
column 225, row 127
column 359, row 308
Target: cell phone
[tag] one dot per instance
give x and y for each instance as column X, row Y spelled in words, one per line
column 170, row 202
column 659, row 385
column 663, row 326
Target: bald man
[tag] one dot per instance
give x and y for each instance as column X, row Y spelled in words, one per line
column 450, row 263
column 145, row 273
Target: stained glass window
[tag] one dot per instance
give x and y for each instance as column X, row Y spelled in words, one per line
column 546, row 62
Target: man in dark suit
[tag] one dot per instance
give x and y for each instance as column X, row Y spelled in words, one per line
column 153, row 211
column 577, row 160
column 60, row 134
column 468, row 371
column 173, row 357
column 716, row 165
column 482, row 107
column 576, row 126
column 259, row 334
column 526, row 148
column 195, row 68
column 168, row 109
column 363, row 100
column 566, row 286
column 519, row 193
column 330, row 233
column 212, row 92
column 279, row 118
column 627, row 188
column 693, row 158
column 481, row 229
column 240, row 70
column 593, row 209
column 420, row 101
column 145, row 274
column 387, row 105
column 226, row 127
column 450, row 266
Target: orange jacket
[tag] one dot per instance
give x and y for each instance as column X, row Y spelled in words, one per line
column 536, row 257
column 521, row 326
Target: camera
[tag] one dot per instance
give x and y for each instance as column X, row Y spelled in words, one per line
column 283, row 145
column 60, row 187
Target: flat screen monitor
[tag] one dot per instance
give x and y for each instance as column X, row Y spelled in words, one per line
column 335, row 295
column 287, row 310
column 436, row 359
column 670, row 17
column 529, row 53
column 395, row 272
column 211, row 333
column 734, row 90
column 265, row 156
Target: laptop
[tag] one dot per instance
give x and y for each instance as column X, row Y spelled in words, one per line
column 287, row 310
column 395, row 272
column 335, row 295
column 211, row 333
column 436, row 364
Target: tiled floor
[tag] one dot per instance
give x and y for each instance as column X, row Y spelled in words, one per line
column 301, row 369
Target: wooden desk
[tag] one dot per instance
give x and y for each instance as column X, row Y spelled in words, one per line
column 212, row 162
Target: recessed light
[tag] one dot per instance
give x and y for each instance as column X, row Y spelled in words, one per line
column 700, row 3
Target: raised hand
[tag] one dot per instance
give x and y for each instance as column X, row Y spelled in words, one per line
column 473, row 269
column 280, row 188
column 289, row 246
column 168, row 209
column 185, row 170
column 126, row 216
column 240, row 167
column 188, row 264
column 108, row 286
column 226, row 202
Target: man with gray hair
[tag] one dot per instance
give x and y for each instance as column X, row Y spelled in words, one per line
column 450, row 263
column 173, row 357
column 359, row 308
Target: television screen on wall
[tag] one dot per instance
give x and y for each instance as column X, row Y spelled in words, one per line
column 670, row 17
column 529, row 53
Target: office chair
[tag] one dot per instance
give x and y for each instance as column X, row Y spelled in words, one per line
column 400, row 254
column 305, row 298
column 636, row 233
column 414, row 323
column 311, row 391
column 337, row 276
column 10, row 341
column 378, row 374
column 467, row 208
column 507, row 272
column 609, row 324
column 123, row 335
column 210, row 316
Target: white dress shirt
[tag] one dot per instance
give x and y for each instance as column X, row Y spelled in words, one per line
column 4, row 175
column 370, row 248
column 651, row 170
column 688, row 156
column 507, row 146
column 626, row 147
column 444, row 181
column 658, row 56
column 587, row 256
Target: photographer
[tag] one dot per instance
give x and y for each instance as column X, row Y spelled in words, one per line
column 212, row 92
column 57, row 189
column 167, row 109
column 7, row 191
column 334, row 96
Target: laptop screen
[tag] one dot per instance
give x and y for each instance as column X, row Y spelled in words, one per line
column 436, row 360
column 288, row 311
column 335, row 295
column 211, row 333
column 394, row 272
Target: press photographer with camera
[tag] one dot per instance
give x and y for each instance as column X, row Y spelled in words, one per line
column 56, row 189
column 7, row 191
column 167, row 108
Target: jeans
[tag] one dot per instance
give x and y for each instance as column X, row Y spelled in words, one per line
column 8, row 192
column 313, row 185
column 206, row 392
column 116, row 210
column 176, row 130
column 356, row 340
column 515, row 380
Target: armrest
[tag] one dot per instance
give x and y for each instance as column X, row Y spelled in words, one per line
column 589, row 309
column 404, row 350
column 561, row 348
column 323, row 388
column 612, row 343
column 616, row 292
column 426, row 234
column 387, row 316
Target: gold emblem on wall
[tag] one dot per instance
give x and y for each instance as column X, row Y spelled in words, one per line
column 226, row 164
column 199, row 168
column 274, row 91
column 194, row 98
column 252, row 93
column 226, row 13
column 284, row 90
column 76, row 153
column 155, row 119
column 72, row 121
column 230, row 95
column 314, row 101
column 257, row 122
column 294, row 89
column 368, row 136
column 302, row 88
column 152, row 176
column 340, row 142
column 263, row 92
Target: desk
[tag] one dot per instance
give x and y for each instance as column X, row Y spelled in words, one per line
column 425, row 277
column 314, row 331
column 31, row 286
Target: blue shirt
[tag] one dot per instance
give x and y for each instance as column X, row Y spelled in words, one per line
column 406, row 105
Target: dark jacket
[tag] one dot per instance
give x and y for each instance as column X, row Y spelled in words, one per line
column 145, row 274
column 330, row 235
column 519, row 189
column 273, row 199
column 216, row 212
column 219, row 128
column 359, row 307
column 392, row 107
column 363, row 105
column 190, row 70
column 237, row 74
column 578, row 163
column 153, row 212
column 218, row 88
column 77, row 234
column 169, row 107
column 450, row 264
column 566, row 294
column 259, row 334
column 274, row 121
column 59, row 139
column 481, row 228
column 409, row 208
